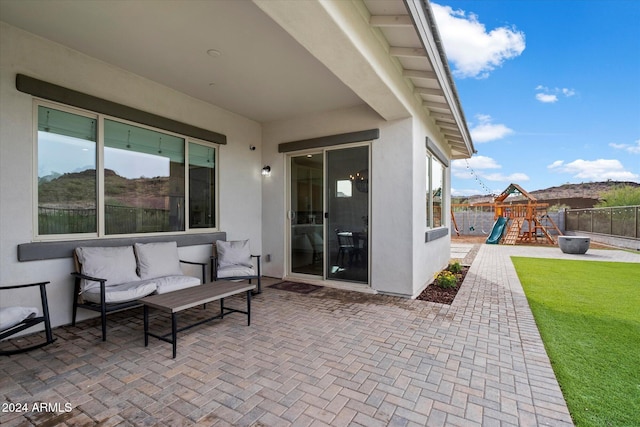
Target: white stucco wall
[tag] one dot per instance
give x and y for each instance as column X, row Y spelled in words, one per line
column 338, row 35
column 428, row 258
column 275, row 186
column 401, row 262
column 21, row 52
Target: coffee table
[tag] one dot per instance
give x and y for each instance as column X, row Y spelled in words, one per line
column 180, row 300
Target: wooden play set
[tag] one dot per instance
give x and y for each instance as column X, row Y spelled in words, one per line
column 521, row 222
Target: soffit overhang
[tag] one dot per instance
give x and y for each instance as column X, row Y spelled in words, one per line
column 388, row 52
column 414, row 42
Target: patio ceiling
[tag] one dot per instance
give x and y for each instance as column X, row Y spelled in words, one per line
column 260, row 72
column 234, row 55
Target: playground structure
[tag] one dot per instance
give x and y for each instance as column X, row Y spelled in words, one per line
column 522, row 222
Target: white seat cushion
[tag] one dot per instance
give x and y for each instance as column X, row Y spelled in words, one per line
column 236, row 271
column 157, row 260
column 115, row 264
column 174, row 283
column 11, row 316
column 123, row 292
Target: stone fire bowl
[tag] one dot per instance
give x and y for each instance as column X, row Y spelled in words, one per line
column 574, row 244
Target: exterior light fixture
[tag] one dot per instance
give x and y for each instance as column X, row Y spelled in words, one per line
column 266, row 171
column 361, row 180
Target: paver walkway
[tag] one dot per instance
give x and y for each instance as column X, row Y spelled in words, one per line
column 330, row 357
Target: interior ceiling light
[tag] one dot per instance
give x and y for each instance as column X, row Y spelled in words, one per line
column 214, row 53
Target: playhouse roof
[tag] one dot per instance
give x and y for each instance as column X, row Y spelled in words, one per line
column 514, row 188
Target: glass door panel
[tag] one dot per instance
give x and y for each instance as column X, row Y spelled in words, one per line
column 347, row 188
column 307, row 214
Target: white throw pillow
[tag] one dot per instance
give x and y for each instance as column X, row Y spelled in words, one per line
column 115, row 264
column 11, row 316
column 158, row 260
column 233, row 253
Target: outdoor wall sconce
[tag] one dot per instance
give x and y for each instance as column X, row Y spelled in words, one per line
column 266, row 171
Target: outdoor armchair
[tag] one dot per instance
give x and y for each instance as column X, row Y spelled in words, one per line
column 16, row 319
column 232, row 260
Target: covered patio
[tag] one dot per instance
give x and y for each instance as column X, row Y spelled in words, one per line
column 134, row 119
column 330, row 357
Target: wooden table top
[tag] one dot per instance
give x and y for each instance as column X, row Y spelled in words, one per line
column 183, row 299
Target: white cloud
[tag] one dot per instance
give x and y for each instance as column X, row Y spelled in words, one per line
column 476, row 163
column 464, row 192
column 594, row 170
column 629, row 148
column 479, row 167
column 486, row 131
column 546, row 98
column 549, row 96
column 473, row 50
column 514, row 177
column 555, row 164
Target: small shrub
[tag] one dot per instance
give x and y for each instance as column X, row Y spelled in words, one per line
column 446, row 279
column 624, row 195
column 455, row 267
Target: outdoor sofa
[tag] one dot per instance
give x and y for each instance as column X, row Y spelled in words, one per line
column 109, row 279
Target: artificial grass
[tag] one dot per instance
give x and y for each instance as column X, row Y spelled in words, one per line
column 588, row 314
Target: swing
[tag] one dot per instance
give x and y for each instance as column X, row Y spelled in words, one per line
column 481, row 221
column 482, row 226
column 477, row 215
column 472, row 227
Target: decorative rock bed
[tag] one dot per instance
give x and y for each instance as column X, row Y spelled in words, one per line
column 574, row 244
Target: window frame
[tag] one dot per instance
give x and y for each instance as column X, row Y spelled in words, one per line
column 216, row 157
column 100, row 233
column 430, row 219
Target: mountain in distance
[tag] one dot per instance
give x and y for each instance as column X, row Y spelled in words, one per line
column 576, row 196
column 78, row 189
column 55, row 175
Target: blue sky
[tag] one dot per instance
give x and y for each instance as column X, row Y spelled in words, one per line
column 550, row 90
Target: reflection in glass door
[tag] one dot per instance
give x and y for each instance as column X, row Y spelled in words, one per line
column 307, row 214
column 347, row 187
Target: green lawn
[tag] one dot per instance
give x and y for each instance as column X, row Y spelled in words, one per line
column 588, row 314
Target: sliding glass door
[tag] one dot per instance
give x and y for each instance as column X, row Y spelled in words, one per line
column 329, row 214
column 347, row 191
column 306, row 214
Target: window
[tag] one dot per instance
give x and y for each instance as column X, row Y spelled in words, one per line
column 67, row 179
column 134, row 177
column 435, row 187
column 143, row 180
column 202, row 186
column 344, row 188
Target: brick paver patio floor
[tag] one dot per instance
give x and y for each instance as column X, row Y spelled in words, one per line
column 330, row 357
